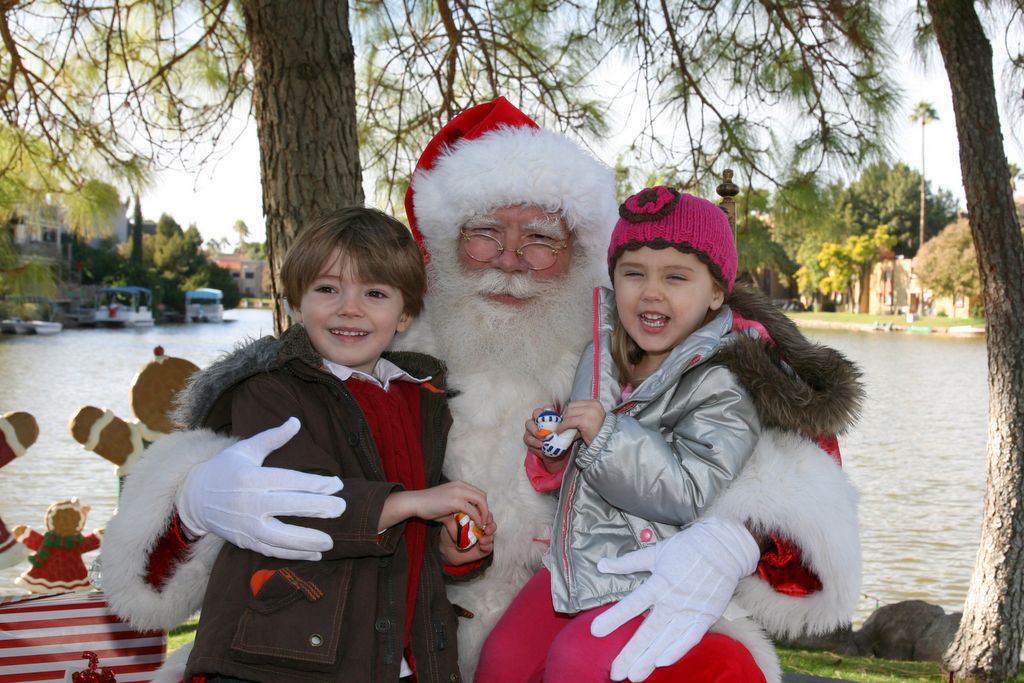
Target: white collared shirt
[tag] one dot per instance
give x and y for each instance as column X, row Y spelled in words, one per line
column 384, row 373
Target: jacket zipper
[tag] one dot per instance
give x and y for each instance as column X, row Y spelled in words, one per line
column 337, row 388
column 595, row 393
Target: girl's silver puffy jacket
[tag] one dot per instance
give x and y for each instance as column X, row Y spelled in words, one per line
column 660, row 458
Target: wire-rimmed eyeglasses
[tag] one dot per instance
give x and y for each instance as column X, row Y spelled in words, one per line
column 536, row 255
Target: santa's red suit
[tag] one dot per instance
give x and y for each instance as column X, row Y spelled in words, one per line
column 503, row 362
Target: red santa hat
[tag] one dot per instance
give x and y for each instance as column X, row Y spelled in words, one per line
column 493, row 155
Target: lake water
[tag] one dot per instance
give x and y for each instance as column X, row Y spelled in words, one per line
column 917, row 456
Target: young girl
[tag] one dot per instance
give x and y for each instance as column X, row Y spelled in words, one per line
column 663, row 430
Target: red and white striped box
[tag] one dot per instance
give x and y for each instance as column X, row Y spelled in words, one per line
column 42, row 638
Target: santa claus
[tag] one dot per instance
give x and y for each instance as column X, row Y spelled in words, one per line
column 514, row 222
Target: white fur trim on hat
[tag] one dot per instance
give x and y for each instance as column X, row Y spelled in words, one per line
column 511, row 166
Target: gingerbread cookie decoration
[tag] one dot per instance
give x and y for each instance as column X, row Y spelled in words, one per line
column 57, row 561
column 152, row 400
column 154, row 390
column 107, row 435
column 18, row 431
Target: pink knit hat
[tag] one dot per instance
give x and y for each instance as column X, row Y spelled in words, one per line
column 662, row 214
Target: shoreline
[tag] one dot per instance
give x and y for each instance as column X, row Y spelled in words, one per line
column 959, row 331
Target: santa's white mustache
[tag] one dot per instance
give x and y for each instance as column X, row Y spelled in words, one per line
column 494, row 282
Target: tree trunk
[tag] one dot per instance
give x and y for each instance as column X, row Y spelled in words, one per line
column 988, row 644
column 920, row 238
column 864, row 300
column 305, row 108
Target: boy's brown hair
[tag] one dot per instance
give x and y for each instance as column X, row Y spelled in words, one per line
column 379, row 248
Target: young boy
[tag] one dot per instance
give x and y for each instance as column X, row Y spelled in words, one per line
column 374, row 608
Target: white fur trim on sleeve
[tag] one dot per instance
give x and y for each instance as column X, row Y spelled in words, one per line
column 792, row 487
column 146, row 509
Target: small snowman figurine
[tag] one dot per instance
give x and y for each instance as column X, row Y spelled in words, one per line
column 57, row 564
column 553, row 445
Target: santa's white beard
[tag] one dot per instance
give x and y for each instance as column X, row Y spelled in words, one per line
column 503, row 362
column 476, row 333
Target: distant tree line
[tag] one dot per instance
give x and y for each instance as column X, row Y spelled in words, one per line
column 821, row 239
column 173, row 262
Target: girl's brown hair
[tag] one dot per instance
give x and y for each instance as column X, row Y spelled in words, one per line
column 379, row 248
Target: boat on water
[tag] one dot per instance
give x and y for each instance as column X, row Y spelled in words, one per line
column 19, row 326
column 45, row 327
column 970, row 330
column 123, row 307
column 204, row 305
column 15, row 326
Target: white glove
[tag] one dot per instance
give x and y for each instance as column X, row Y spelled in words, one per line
column 693, row 577
column 233, row 496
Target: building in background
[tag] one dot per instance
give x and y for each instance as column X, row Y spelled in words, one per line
column 41, row 232
column 249, row 274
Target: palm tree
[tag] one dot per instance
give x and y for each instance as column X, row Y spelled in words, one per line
column 242, row 230
column 925, row 113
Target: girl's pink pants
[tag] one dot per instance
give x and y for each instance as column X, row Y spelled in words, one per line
column 532, row 643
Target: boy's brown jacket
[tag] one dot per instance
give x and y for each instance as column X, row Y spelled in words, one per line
column 342, row 618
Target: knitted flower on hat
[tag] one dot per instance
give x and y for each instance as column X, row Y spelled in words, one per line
column 650, row 204
column 662, row 216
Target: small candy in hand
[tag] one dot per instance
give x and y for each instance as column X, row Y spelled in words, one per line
column 469, row 531
column 554, row 445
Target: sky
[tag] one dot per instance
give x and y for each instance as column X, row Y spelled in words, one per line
column 228, row 188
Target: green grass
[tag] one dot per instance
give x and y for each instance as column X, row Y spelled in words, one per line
column 863, row 669
column 181, row 635
column 812, row 662
column 933, row 321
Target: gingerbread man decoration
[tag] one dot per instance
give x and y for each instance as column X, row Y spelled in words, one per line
column 152, row 399
column 57, row 561
column 18, row 431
